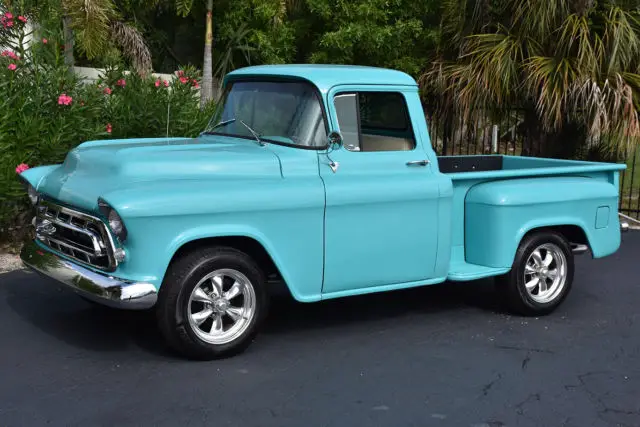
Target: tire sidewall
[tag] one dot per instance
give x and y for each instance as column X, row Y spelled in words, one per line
column 189, row 282
column 523, row 255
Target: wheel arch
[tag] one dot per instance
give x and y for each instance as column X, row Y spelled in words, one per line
column 252, row 244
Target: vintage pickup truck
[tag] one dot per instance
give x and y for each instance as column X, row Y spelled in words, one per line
column 324, row 178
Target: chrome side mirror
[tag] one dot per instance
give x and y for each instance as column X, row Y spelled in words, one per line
column 335, row 140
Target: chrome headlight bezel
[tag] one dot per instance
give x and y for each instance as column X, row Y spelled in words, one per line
column 32, row 193
column 113, row 220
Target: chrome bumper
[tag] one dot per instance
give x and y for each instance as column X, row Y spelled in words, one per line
column 97, row 287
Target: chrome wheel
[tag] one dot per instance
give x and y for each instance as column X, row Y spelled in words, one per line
column 221, row 306
column 545, row 273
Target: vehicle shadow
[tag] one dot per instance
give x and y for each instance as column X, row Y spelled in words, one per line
column 288, row 315
column 61, row 314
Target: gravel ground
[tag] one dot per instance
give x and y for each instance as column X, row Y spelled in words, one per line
column 442, row 355
column 9, row 262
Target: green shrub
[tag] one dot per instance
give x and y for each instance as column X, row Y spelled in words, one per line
column 45, row 111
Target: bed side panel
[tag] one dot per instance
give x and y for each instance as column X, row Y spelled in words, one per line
column 499, row 213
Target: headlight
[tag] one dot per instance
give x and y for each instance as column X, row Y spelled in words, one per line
column 33, row 194
column 113, row 219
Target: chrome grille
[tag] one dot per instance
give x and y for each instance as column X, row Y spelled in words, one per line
column 76, row 234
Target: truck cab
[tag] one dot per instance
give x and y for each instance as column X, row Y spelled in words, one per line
column 323, row 177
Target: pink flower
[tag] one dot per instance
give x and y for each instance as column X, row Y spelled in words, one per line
column 12, row 67
column 10, row 54
column 180, row 73
column 166, row 83
column 9, row 24
column 64, row 99
column 22, row 167
column 107, row 91
column 121, row 83
column 22, row 19
column 45, row 41
column 183, row 80
column 8, row 15
column 195, row 84
column 108, row 127
column 157, row 83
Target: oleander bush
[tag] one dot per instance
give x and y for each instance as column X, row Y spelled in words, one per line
column 45, row 110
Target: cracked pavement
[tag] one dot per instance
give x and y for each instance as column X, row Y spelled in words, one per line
column 443, row 355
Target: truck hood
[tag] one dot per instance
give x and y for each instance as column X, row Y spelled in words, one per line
column 97, row 167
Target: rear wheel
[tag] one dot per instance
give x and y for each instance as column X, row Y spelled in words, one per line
column 541, row 276
column 212, row 303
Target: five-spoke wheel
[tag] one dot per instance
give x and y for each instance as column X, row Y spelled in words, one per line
column 212, row 302
column 541, row 275
column 221, row 306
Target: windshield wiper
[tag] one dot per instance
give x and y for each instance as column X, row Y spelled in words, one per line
column 254, row 133
column 226, row 122
column 222, row 123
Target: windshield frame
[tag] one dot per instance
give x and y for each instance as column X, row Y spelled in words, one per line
column 274, row 79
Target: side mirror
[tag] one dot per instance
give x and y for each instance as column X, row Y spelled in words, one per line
column 335, row 140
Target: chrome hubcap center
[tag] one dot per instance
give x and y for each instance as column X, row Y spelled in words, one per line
column 220, row 305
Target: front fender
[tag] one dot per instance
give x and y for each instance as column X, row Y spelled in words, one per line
column 285, row 216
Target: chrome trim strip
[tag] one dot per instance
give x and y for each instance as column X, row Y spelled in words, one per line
column 578, row 249
column 107, row 290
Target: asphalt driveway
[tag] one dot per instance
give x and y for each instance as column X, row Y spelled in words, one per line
column 437, row 356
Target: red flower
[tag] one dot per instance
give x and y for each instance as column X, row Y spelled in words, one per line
column 9, row 24
column 180, row 73
column 108, row 127
column 22, row 19
column 166, row 83
column 183, row 80
column 10, row 54
column 157, row 83
column 121, row 83
column 8, row 15
column 107, row 91
column 22, row 167
column 45, row 41
column 195, row 83
column 64, row 99
column 12, row 67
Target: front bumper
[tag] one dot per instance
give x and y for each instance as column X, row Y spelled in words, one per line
column 101, row 288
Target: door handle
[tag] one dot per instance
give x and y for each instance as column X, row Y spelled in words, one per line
column 418, row 163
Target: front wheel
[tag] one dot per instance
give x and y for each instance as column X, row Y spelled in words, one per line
column 211, row 303
column 541, row 276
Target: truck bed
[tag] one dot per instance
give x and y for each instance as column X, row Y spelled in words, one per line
column 469, row 171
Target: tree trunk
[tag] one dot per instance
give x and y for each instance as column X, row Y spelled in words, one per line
column 68, row 41
column 206, row 93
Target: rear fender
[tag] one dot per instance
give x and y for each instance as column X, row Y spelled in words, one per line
column 499, row 214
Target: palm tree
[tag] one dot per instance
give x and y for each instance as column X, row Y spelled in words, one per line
column 572, row 65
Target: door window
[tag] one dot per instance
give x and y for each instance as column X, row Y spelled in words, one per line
column 374, row 121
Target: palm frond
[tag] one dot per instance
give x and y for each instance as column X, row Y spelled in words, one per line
column 90, row 20
column 132, row 44
column 183, row 7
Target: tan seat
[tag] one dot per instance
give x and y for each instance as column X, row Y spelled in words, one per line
column 385, row 143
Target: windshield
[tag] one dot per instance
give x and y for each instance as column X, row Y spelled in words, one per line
column 280, row 112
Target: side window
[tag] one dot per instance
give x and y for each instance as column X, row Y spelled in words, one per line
column 374, row 121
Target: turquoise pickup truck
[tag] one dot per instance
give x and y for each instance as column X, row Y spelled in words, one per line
column 321, row 177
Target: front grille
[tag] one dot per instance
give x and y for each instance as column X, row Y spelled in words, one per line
column 75, row 234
